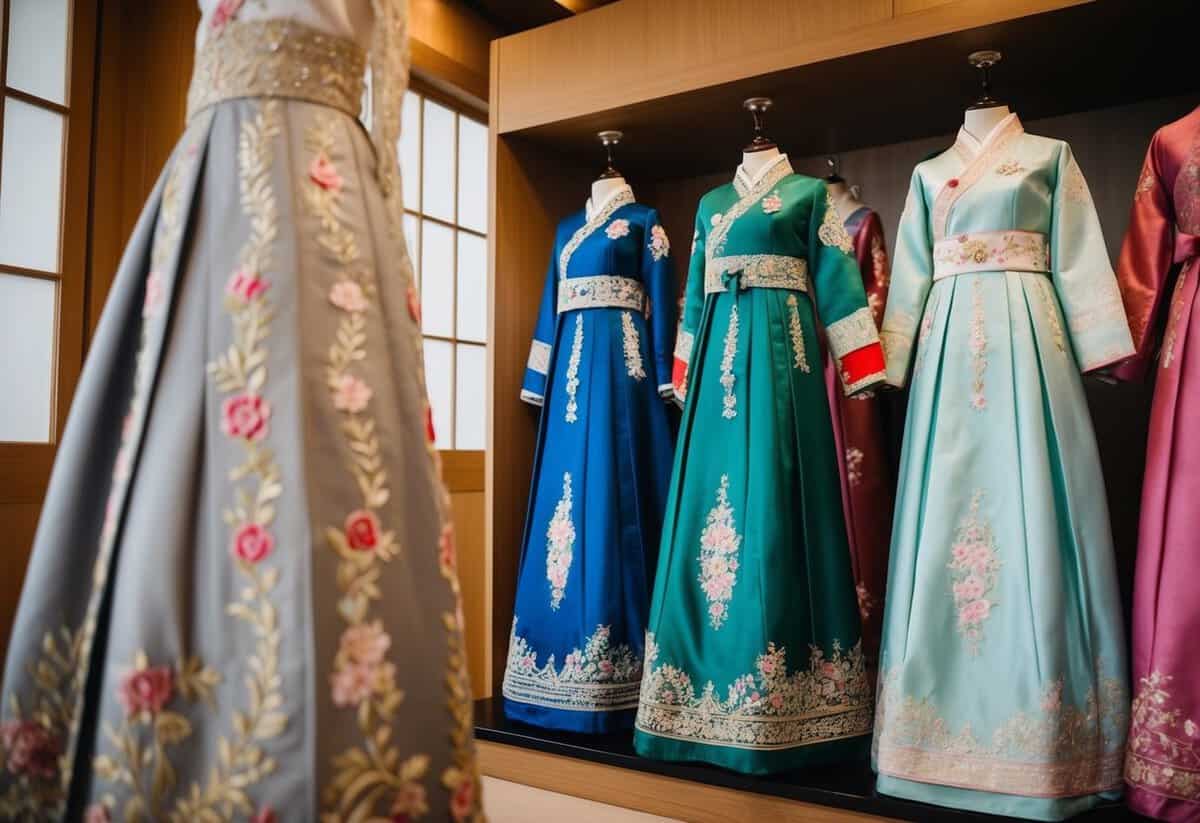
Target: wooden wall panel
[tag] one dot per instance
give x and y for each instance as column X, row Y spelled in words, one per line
column 668, row 47
column 18, row 521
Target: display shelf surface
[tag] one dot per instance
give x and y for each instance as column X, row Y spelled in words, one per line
column 850, row 786
column 1091, row 56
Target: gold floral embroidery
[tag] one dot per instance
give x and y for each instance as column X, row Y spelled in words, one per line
column 866, row 601
column 852, row 332
column 539, row 357
column 632, row 346
column 729, row 410
column 854, row 461
column 1009, row 168
column 975, row 567
column 747, row 197
column 572, row 414
column 599, row 292
column 977, row 343
column 560, row 542
column 1075, row 187
column 1050, row 304
column 769, row 708
column 719, row 544
column 600, row 677
column 833, row 232
column 796, row 330
column 363, row 678
column 1146, row 182
column 1056, row 750
column 1178, row 304
column 143, row 766
column 1164, row 746
column 757, row 271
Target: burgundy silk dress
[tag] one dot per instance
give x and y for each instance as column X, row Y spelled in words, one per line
column 858, row 431
column 1160, row 259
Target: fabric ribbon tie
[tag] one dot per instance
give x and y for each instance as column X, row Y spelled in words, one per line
column 732, row 280
column 1187, row 247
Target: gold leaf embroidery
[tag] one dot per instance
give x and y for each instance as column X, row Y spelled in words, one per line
column 1050, row 304
column 978, row 346
column 796, row 330
column 833, row 232
column 598, row 677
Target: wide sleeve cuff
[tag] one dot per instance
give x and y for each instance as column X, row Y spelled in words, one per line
column 532, row 398
column 536, row 369
column 862, row 369
column 1100, row 332
column 896, row 337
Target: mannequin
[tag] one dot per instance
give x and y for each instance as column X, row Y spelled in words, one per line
column 761, row 152
column 610, row 180
column 986, row 112
column 845, row 197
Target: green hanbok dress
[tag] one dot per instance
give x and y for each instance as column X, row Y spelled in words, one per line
column 753, row 655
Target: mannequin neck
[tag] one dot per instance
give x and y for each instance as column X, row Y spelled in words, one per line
column 755, row 161
column 604, row 187
column 843, row 199
column 980, row 122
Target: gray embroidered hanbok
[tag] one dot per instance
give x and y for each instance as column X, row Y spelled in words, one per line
column 242, row 602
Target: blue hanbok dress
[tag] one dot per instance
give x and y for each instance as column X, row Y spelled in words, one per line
column 1003, row 684
column 600, row 367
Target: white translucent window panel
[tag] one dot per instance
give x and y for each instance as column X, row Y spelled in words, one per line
column 412, row 235
column 37, row 47
column 410, row 149
column 472, row 287
column 472, row 174
column 27, row 323
column 439, row 380
column 437, row 171
column 437, row 279
column 30, row 186
column 470, row 427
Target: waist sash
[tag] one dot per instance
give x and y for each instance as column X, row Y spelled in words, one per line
column 991, row 251
column 757, row 271
column 278, row 58
column 599, row 292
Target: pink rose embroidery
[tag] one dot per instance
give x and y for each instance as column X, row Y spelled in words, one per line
column 973, row 613
column 366, row 643
column 246, row 285
column 245, row 416
column 348, row 296
column 659, row 246
column 351, row 394
column 97, row 813
column 32, row 749
column 252, row 543
column 351, row 685
column 772, row 203
column 447, row 553
column 324, row 173
column 225, row 11
column 462, row 802
column 145, row 690
column 154, row 294
column 617, row 228
column 410, row 803
column 362, row 530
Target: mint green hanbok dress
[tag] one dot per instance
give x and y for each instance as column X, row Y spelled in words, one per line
column 753, row 658
column 1003, row 684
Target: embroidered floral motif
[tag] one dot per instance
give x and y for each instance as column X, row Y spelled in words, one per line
column 659, row 246
column 716, row 219
column 977, row 343
column 851, row 333
column 1146, row 182
column 719, row 544
column 833, row 232
column 622, row 198
column 1075, row 187
column 348, row 296
column 854, row 461
column 560, row 543
column 927, row 318
column 572, row 414
column 362, row 678
column 633, row 348
column 975, row 166
column 866, row 602
column 975, row 565
column 991, row 251
column 727, row 379
column 747, row 197
column 1009, row 168
column 244, row 286
column 1178, row 304
column 799, row 361
column 599, row 677
column 1057, row 749
column 145, row 771
column 772, row 202
column 1050, row 305
column 768, row 708
column 617, row 229
column 600, row 292
column 1164, row 750
column 539, row 357
column 763, row 271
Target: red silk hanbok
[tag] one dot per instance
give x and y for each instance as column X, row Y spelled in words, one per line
column 858, row 432
column 1160, row 259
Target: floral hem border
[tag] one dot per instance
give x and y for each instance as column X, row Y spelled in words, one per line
column 990, row 774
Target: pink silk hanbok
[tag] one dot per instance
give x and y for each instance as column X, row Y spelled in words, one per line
column 858, row 431
column 1161, row 256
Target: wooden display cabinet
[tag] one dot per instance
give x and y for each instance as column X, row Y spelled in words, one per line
column 882, row 81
